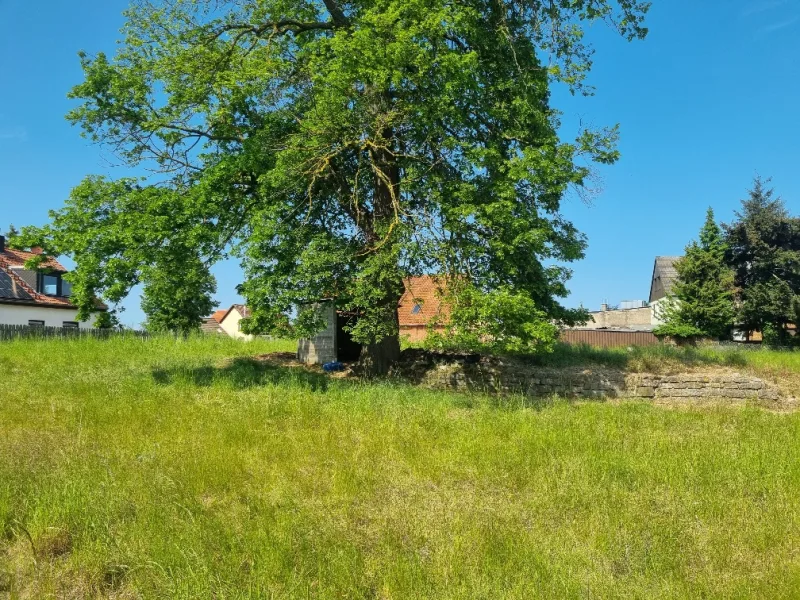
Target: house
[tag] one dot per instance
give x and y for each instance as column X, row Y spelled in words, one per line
column 664, row 277
column 227, row 322
column 36, row 298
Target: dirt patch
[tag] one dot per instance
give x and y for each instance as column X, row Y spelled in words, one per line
column 53, row 543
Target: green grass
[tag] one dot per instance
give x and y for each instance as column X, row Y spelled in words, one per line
column 164, row 469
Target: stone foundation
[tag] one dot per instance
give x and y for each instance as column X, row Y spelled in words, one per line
column 501, row 376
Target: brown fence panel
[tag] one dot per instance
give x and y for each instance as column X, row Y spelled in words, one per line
column 605, row 338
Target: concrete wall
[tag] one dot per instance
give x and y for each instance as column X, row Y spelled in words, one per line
column 635, row 318
column 230, row 325
column 18, row 314
column 322, row 348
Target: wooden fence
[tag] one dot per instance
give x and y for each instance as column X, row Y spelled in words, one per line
column 11, row 332
column 608, row 338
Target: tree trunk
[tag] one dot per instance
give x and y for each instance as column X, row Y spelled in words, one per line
column 377, row 359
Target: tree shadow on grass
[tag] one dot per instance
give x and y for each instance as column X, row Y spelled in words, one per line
column 243, row 373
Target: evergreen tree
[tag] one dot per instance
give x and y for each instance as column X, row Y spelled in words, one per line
column 702, row 299
column 12, row 233
column 764, row 253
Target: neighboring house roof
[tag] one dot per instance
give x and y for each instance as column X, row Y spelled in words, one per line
column 14, row 289
column 240, row 308
column 18, row 258
column 664, row 277
column 219, row 315
column 421, row 301
column 211, row 325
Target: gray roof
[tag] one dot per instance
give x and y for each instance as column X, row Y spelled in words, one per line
column 665, row 274
column 11, row 290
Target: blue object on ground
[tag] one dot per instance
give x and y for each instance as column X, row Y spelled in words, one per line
column 333, row 366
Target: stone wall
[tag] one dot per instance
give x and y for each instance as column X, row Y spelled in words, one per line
column 733, row 386
column 498, row 376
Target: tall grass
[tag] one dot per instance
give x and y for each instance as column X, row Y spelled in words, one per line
column 184, row 469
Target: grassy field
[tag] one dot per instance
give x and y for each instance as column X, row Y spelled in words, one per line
column 164, row 469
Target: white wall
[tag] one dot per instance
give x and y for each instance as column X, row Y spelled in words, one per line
column 658, row 307
column 230, row 324
column 14, row 314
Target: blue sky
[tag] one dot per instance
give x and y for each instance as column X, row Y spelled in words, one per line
column 710, row 99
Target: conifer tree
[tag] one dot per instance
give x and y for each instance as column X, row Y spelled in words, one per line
column 764, row 253
column 12, row 233
column 702, row 301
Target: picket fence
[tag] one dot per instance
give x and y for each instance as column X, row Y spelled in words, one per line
column 12, row 332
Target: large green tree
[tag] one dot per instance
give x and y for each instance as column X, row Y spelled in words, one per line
column 701, row 303
column 764, row 252
column 337, row 146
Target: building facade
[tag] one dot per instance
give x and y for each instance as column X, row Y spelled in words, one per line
column 36, row 298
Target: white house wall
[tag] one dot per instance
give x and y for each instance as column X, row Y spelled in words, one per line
column 230, row 324
column 13, row 314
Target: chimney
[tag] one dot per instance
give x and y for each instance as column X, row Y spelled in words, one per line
column 2, row 243
column 36, row 250
column 604, row 307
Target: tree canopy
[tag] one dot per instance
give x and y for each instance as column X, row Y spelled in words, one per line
column 337, row 146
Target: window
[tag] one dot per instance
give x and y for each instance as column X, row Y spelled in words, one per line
column 416, row 310
column 51, row 284
column 35, row 323
column 71, row 325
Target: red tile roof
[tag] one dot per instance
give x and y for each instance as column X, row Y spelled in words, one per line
column 219, row 315
column 18, row 258
column 31, row 295
column 424, row 292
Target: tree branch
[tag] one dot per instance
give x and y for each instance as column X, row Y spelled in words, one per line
column 336, row 13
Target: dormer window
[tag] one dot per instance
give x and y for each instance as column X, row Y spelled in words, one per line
column 52, row 284
column 416, row 310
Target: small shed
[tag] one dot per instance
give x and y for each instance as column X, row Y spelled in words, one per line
column 332, row 343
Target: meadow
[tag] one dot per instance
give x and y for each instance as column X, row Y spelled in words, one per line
column 167, row 468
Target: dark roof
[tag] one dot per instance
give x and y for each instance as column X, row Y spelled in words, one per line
column 11, row 288
column 664, row 277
